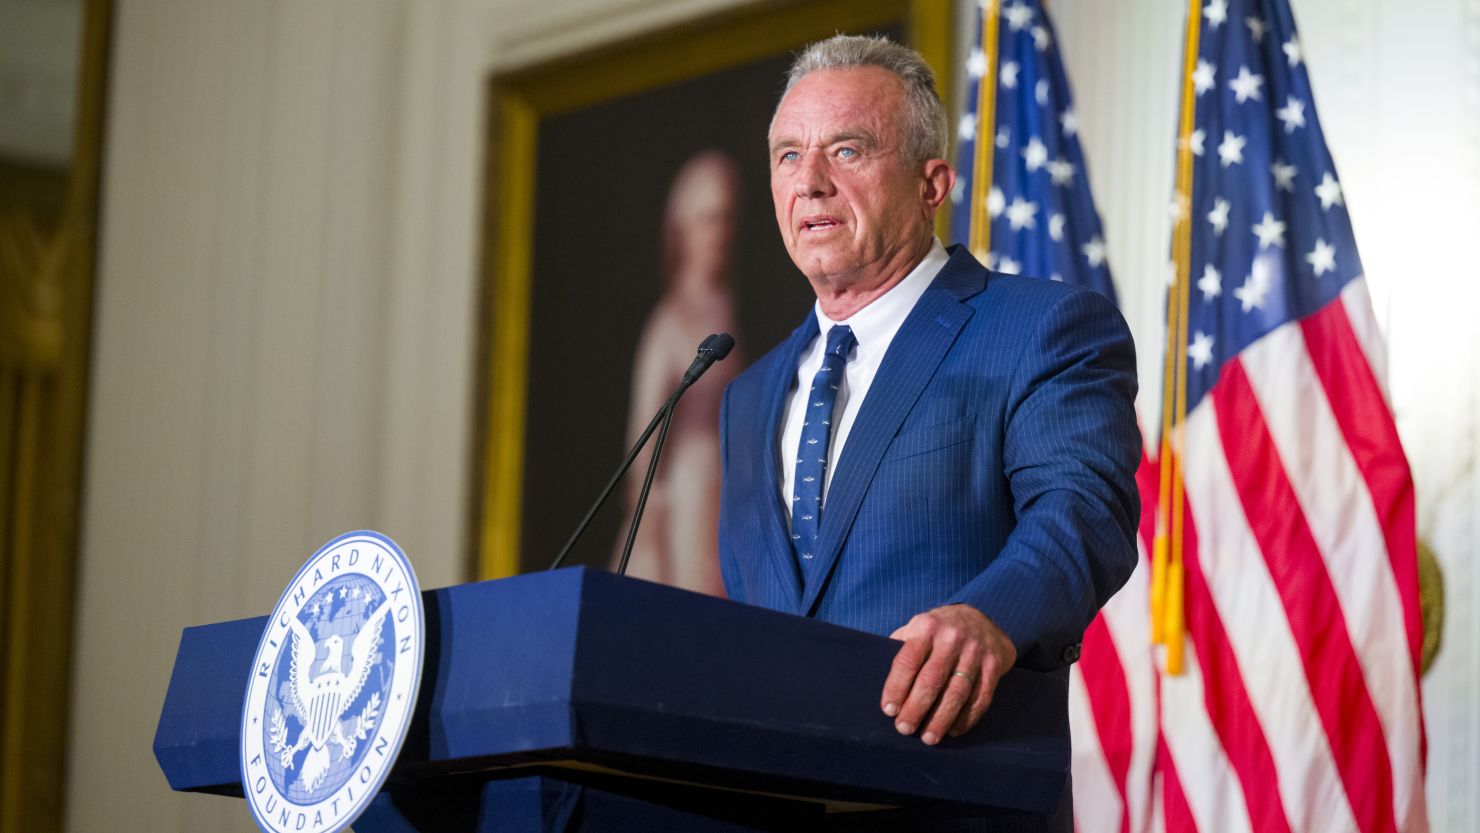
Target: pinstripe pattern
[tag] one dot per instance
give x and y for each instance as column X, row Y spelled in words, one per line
column 993, row 463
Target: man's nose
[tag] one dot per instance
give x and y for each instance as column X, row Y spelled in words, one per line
column 813, row 178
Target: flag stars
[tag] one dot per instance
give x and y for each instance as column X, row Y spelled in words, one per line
column 1271, row 232
column 1018, row 16
column 1322, row 258
column 1256, row 286
column 1218, row 217
column 1291, row 48
column 966, row 128
column 976, row 65
column 1329, row 191
column 1009, row 75
column 1216, row 12
column 1246, row 85
column 1041, row 38
column 1008, row 266
column 1203, row 78
column 1069, row 120
column 1094, row 251
column 1056, row 227
column 1040, row 92
column 1292, row 114
column 1210, row 284
column 1062, row 171
column 996, row 202
column 1035, row 154
column 1004, row 137
column 1195, row 141
column 1200, row 350
column 1231, row 149
column 1257, row 28
column 1284, row 175
column 1020, row 214
column 958, row 191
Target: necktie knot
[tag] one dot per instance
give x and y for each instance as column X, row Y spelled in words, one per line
column 840, row 340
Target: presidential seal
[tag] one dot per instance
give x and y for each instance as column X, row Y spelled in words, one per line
column 332, row 687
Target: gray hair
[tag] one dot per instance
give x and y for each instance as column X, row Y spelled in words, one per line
column 924, row 129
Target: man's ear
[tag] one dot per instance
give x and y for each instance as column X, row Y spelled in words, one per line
column 939, row 177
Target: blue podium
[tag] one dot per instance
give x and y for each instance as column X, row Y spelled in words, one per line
column 579, row 700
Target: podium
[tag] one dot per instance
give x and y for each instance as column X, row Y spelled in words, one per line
column 579, row 700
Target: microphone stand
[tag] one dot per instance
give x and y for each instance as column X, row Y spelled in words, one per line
column 711, row 350
column 647, row 483
column 612, row 484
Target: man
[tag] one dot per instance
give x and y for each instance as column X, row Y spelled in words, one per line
column 980, row 426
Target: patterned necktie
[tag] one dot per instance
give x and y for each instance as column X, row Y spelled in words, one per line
column 811, row 474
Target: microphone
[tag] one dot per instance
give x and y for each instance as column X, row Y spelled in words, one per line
column 712, row 349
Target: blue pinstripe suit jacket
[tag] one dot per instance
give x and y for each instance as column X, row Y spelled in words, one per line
column 992, row 463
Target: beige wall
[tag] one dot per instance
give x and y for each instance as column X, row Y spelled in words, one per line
column 285, row 323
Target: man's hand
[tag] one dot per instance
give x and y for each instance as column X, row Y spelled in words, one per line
column 946, row 671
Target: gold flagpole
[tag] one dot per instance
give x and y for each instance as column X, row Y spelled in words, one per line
column 1167, row 567
column 986, row 135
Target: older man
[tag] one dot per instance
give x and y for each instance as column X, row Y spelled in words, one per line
column 939, row 452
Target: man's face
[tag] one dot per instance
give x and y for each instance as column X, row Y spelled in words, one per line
column 851, row 206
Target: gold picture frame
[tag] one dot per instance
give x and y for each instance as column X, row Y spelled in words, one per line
column 519, row 102
column 48, row 255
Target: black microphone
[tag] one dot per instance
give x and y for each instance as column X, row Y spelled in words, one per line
column 711, row 350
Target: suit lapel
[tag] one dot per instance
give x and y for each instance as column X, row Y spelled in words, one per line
column 775, row 528
column 910, row 363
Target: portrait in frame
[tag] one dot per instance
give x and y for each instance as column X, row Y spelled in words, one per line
column 628, row 214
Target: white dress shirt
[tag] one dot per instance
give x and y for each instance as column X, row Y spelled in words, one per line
column 874, row 327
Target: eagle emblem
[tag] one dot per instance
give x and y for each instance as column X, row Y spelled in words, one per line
column 321, row 691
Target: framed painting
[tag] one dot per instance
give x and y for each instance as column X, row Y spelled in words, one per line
column 628, row 216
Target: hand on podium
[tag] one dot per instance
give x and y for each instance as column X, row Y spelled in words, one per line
column 946, row 671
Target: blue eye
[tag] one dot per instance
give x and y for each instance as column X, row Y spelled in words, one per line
column 790, row 156
column 847, row 153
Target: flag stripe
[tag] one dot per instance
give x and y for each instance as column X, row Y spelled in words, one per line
column 1358, row 399
column 1229, row 573
column 1111, row 707
column 1123, row 624
column 1368, row 335
column 1353, row 730
column 1130, row 631
column 1096, row 795
column 1335, row 501
column 1215, row 548
column 1360, row 411
column 1207, row 783
column 1176, row 814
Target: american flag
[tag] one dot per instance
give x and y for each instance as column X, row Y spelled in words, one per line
column 1298, row 706
column 1022, row 199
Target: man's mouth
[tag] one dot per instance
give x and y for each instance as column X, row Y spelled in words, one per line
column 819, row 224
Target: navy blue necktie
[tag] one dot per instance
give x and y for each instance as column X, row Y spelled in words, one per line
column 811, row 473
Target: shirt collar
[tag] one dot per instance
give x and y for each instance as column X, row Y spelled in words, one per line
column 876, row 323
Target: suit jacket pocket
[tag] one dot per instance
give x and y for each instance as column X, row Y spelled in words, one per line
column 933, row 437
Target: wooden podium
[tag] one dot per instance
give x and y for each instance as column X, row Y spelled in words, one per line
column 579, row 700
